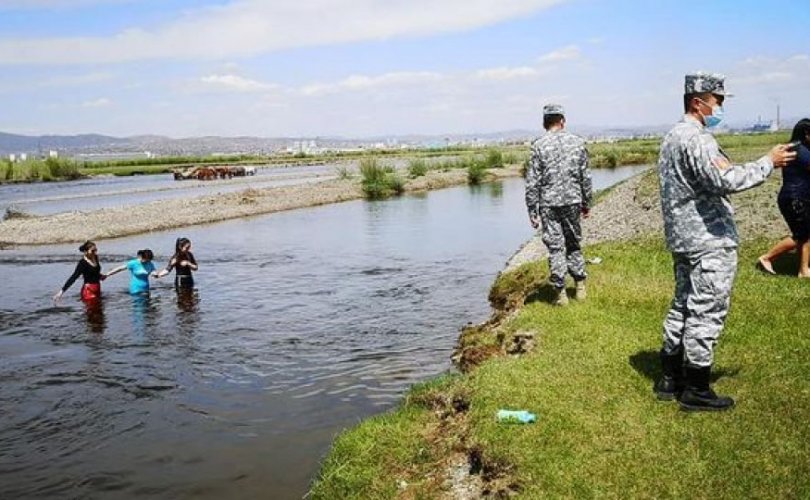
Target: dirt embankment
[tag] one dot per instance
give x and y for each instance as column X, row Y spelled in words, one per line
column 633, row 209
column 71, row 227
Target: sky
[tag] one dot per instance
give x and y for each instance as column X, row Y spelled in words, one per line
column 370, row 68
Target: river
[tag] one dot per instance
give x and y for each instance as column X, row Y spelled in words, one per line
column 303, row 323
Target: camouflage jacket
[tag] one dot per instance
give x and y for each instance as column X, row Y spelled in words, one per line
column 695, row 177
column 558, row 172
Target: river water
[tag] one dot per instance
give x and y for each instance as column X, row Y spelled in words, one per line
column 93, row 193
column 303, row 323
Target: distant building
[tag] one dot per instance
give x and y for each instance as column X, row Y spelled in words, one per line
column 12, row 157
column 114, row 156
column 53, row 154
column 23, row 156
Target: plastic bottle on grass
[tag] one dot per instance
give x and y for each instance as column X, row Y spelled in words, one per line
column 516, row 417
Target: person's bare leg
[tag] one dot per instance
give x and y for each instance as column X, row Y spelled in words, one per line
column 785, row 245
column 804, row 261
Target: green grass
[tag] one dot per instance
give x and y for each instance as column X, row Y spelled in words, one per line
column 740, row 147
column 600, row 432
column 494, row 159
column 379, row 181
column 125, row 171
column 743, row 147
column 367, row 461
column 417, row 167
column 476, row 172
column 48, row 169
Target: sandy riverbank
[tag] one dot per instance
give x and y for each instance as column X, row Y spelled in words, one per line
column 71, row 227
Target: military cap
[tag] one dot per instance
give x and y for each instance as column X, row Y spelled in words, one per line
column 697, row 83
column 553, row 109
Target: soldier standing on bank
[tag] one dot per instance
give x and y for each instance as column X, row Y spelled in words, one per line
column 558, row 192
column 696, row 177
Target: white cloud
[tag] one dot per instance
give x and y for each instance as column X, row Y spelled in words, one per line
column 364, row 82
column 250, row 27
column 544, row 64
column 236, row 83
column 770, row 72
column 568, row 53
column 506, row 73
column 101, row 102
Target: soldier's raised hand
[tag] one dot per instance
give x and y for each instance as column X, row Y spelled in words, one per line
column 781, row 155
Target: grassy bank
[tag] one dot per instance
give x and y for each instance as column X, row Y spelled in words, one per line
column 740, row 147
column 600, row 432
column 49, row 169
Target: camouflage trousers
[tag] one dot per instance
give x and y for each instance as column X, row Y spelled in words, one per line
column 703, row 282
column 562, row 235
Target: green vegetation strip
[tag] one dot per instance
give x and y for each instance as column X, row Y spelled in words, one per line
column 743, row 147
column 600, row 432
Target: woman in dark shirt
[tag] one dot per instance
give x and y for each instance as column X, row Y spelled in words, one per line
column 89, row 268
column 183, row 263
column 794, row 203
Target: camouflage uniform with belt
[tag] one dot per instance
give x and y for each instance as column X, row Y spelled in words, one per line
column 558, row 187
column 695, row 178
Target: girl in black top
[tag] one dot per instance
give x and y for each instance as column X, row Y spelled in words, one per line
column 794, row 203
column 89, row 268
column 183, row 263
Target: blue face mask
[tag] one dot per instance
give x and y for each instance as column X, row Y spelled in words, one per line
column 716, row 118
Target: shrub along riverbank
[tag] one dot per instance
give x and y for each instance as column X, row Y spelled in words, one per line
column 587, row 372
column 49, row 169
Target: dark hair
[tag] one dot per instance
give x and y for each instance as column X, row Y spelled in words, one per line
column 551, row 120
column 146, row 254
column 180, row 243
column 801, row 131
column 687, row 98
column 86, row 246
column 178, row 247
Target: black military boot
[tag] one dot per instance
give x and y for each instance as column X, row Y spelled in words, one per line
column 670, row 385
column 698, row 396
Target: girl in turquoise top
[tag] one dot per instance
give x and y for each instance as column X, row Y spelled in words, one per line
column 140, row 270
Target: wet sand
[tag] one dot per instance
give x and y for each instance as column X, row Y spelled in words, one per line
column 72, row 227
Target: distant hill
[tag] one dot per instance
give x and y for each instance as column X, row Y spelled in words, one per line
column 89, row 144
column 13, row 143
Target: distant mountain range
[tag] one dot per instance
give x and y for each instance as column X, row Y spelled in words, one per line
column 89, row 144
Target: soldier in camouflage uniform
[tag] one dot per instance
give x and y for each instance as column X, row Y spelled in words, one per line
column 558, row 191
column 696, row 178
